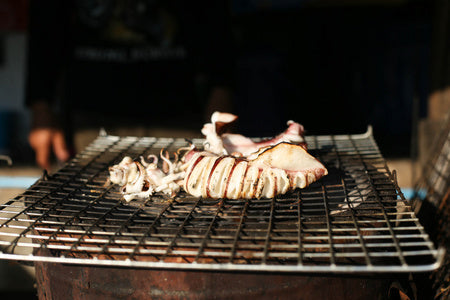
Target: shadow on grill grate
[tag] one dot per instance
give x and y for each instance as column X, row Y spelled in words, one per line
column 353, row 220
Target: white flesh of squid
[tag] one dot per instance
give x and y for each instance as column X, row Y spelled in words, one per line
column 275, row 171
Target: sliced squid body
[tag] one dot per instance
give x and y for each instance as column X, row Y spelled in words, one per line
column 274, row 171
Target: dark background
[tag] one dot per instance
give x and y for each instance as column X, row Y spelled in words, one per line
column 334, row 68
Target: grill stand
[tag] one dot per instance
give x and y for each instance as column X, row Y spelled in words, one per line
column 61, row 281
column 351, row 235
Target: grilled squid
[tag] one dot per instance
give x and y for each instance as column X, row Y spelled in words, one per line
column 230, row 166
column 275, row 171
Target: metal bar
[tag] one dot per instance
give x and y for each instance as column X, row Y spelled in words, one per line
column 236, row 267
column 61, row 228
column 386, row 218
column 358, row 231
column 119, row 230
column 355, row 223
column 299, row 232
column 419, row 227
column 208, row 231
column 269, row 231
column 180, row 229
column 149, row 229
column 238, row 231
column 329, row 231
column 87, row 232
column 30, row 227
column 328, row 221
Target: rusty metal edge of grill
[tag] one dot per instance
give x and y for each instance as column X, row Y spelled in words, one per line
column 388, row 180
column 439, row 254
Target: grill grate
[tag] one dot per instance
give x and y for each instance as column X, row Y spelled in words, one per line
column 354, row 220
column 432, row 206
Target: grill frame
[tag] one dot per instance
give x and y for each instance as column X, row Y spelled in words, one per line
column 356, row 219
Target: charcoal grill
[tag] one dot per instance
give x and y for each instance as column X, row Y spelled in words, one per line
column 353, row 221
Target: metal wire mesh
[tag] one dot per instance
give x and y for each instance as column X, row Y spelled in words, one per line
column 353, row 220
column 431, row 204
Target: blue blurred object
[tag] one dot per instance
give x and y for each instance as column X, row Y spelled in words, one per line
column 410, row 193
column 17, row 181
